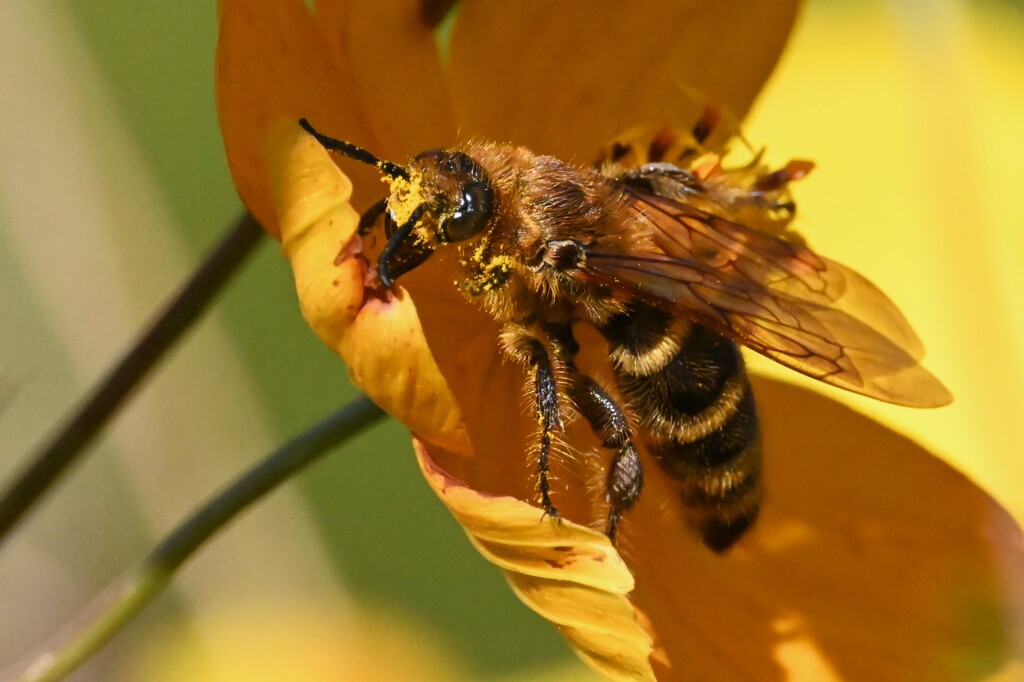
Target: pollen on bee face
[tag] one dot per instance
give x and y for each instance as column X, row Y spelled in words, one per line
column 406, row 195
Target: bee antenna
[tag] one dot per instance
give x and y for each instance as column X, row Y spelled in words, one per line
column 353, row 152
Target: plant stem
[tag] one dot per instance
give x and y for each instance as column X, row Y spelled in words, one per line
column 106, row 615
column 54, row 457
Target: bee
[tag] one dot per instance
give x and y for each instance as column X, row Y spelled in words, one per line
column 676, row 261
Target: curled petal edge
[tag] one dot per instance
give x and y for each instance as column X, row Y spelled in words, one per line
column 369, row 331
column 568, row 573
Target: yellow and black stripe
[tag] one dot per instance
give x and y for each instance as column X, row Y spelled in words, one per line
column 689, row 391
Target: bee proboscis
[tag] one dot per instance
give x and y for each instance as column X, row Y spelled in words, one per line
column 674, row 262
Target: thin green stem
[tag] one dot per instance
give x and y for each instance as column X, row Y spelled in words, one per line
column 107, row 615
column 54, row 457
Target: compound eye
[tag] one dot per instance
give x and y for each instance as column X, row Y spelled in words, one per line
column 472, row 213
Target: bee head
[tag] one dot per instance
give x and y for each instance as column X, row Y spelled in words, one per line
column 441, row 197
column 457, row 191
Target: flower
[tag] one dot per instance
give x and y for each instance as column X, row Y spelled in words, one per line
column 844, row 570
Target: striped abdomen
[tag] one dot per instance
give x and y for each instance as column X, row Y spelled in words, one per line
column 692, row 400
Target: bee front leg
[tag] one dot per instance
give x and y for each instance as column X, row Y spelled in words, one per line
column 370, row 216
column 521, row 345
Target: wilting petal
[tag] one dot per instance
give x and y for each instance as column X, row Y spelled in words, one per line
column 380, row 339
column 567, row 573
column 563, row 78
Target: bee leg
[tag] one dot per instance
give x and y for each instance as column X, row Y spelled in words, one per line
column 522, row 345
column 609, row 422
column 706, row 124
column 368, row 218
column 625, row 473
column 545, row 394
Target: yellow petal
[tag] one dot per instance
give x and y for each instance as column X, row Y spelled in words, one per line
column 563, row 78
column 380, row 340
column 311, row 198
column 389, row 359
column 569, row 574
column 931, row 213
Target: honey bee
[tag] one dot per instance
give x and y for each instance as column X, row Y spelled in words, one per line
column 675, row 260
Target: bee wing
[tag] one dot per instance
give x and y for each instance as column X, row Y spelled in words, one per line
column 775, row 297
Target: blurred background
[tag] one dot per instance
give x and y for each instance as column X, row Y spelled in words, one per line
column 113, row 184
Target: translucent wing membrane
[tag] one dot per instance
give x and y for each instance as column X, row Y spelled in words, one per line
column 775, row 297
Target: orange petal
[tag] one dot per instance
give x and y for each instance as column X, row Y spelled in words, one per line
column 569, row 574
column 381, row 341
column 872, row 560
column 396, row 70
column 276, row 61
column 272, row 65
column 563, row 78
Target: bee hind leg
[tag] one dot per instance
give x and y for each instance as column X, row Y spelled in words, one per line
column 609, row 422
column 606, row 418
column 625, row 473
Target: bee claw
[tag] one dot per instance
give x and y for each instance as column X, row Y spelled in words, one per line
column 551, row 511
column 613, row 526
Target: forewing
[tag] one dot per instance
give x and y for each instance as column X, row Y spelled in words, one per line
column 775, row 297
